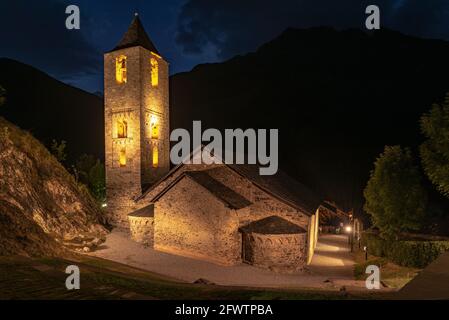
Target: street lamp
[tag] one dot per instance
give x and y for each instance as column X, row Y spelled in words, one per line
column 348, row 230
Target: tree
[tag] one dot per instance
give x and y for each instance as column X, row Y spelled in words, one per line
column 394, row 196
column 91, row 173
column 435, row 150
column 59, row 150
column 2, row 95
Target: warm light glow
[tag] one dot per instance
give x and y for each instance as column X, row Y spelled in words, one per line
column 122, row 159
column 348, row 229
column 120, row 69
column 154, row 127
column 122, row 129
column 155, row 157
column 154, row 72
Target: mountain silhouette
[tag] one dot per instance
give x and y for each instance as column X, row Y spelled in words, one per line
column 337, row 98
column 50, row 109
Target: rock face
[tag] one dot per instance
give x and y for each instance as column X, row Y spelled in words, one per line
column 42, row 209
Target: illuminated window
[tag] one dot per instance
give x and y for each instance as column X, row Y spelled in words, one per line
column 154, row 127
column 120, row 69
column 122, row 159
column 154, row 72
column 122, row 129
column 155, row 157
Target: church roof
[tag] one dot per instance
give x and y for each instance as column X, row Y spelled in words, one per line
column 219, row 190
column 272, row 225
column 226, row 195
column 280, row 185
column 136, row 36
column 147, row 211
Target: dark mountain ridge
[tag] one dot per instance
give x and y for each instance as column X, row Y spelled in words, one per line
column 337, row 97
column 50, row 109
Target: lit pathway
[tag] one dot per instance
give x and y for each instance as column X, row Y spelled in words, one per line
column 331, row 267
column 332, row 258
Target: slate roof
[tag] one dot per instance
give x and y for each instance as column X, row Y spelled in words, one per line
column 136, row 36
column 228, row 196
column 272, row 225
column 282, row 187
column 147, row 211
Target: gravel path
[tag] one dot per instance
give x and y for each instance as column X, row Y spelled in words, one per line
column 331, row 266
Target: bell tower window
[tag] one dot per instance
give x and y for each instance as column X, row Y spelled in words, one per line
column 154, row 72
column 122, row 158
column 154, row 127
column 155, row 157
column 120, row 69
column 122, row 129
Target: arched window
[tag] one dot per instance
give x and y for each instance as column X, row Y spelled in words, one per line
column 154, row 72
column 122, row 158
column 122, row 129
column 120, row 69
column 155, row 157
column 154, row 127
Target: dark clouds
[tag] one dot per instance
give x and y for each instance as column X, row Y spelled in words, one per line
column 34, row 32
column 236, row 26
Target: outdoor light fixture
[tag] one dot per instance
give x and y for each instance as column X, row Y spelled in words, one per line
column 348, row 229
column 104, row 205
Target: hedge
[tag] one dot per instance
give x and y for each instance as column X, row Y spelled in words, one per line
column 408, row 253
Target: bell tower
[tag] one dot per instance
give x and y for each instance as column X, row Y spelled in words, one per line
column 136, row 120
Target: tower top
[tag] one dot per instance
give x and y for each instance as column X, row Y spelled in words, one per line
column 136, row 36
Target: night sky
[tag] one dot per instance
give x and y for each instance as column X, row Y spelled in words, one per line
column 186, row 32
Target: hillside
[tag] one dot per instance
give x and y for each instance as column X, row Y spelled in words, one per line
column 42, row 210
column 50, row 109
column 337, row 97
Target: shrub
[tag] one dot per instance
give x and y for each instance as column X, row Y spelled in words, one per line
column 407, row 253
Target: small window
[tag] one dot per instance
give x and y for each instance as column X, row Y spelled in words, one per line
column 120, row 69
column 122, row 159
column 122, row 129
column 154, row 72
column 154, row 127
column 155, row 157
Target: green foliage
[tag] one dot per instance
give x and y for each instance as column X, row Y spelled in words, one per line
column 408, row 253
column 435, row 150
column 394, row 196
column 2, row 96
column 59, row 150
column 91, row 172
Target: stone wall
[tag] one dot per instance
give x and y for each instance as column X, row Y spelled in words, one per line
column 190, row 221
column 279, row 252
column 142, row 229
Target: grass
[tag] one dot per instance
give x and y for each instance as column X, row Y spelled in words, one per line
column 44, row 278
column 391, row 275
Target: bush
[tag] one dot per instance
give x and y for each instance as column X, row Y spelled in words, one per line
column 407, row 253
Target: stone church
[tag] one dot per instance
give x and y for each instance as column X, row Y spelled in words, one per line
column 226, row 214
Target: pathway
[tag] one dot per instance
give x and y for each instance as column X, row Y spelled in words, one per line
column 331, row 266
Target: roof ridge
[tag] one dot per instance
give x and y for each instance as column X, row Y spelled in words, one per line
column 136, row 36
